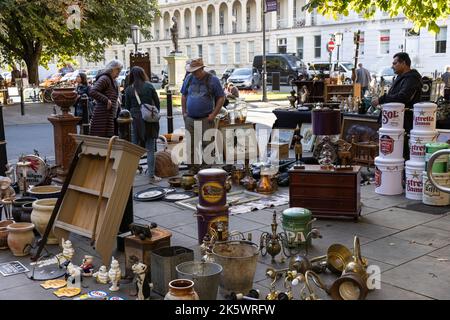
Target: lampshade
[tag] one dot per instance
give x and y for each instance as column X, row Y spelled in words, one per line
column 326, row 122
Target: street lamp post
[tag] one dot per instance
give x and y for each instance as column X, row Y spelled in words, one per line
column 135, row 37
column 264, row 62
column 338, row 39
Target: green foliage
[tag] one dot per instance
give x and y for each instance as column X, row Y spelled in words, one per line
column 30, row 28
column 423, row 13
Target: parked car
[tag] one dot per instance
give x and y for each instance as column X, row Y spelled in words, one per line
column 387, row 74
column 71, row 76
column 289, row 66
column 245, row 78
column 91, row 74
column 226, row 74
column 51, row 80
column 323, row 67
column 154, row 78
column 121, row 78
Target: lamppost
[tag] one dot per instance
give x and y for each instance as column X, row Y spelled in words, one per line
column 135, row 37
column 338, row 39
column 264, row 62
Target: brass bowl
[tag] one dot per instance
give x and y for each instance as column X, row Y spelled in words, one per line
column 187, row 181
column 175, row 182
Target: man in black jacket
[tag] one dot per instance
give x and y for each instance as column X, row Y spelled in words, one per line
column 406, row 89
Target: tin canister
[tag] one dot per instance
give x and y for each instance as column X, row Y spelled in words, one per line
column 296, row 224
column 433, row 196
column 211, row 190
column 212, row 221
column 440, row 165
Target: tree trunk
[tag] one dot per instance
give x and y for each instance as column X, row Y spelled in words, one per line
column 33, row 68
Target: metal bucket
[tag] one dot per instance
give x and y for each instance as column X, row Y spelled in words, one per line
column 238, row 259
column 163, row 264
column 206, row 277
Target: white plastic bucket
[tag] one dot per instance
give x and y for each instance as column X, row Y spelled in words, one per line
column 391, row 143
column 431, row 195
column 389, row 176
column 425, row 116
column 393, row 115
column 414, row 180
column 417, row 143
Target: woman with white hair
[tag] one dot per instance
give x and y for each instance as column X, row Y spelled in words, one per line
column 106, row 94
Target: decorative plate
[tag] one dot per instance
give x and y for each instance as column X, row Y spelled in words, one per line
column 116, row 298
column 151, row 194
column 177, row 196
column 97, row 294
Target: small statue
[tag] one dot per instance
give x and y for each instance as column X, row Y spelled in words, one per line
column 101, row 276
column 174, row 34
column 68, row 250
column 298, row 148
column 87, row 266
column 114, row 274
column 7, row 192
column 73, row 276
column 143, row 284
column 304, row 93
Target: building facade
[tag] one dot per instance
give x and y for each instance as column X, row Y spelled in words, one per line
column 229, row 33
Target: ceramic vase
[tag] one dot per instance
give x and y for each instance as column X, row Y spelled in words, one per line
column 20, row 238
column 45, row 192
column 64, row 98
column 42, row 211
column 27, row 208
column 4, row 233
column 181, row 289
column 17, row 207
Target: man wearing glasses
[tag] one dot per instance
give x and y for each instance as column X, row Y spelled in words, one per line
column 406, row 89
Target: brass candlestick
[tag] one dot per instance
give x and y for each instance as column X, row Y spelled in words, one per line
column 271, row 243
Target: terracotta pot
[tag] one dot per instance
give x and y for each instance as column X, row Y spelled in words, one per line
column 27, row 208
column 20, row 238
column 64, row 98
column 17, row 207
column 4, row 233
column 42, row 211
column 181, row 289
column 45, row 192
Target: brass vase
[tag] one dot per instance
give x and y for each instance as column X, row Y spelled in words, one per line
column 265, row 185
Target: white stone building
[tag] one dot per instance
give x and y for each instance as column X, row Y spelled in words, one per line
column 229, row 33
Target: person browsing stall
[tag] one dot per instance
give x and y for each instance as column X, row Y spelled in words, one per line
column 202, row 100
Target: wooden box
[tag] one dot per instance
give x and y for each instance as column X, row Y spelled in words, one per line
column 77, row 213
column 344, row 90
column 326, row 193
column 282, row 149
column 141, row 250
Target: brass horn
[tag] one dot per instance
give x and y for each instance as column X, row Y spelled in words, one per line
column 352, row 285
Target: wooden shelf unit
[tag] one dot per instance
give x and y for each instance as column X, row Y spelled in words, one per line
column 344, row 90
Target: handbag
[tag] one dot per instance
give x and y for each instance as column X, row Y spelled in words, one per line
column 149, row 112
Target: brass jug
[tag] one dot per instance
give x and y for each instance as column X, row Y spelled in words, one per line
column 265, row 185
column 188, row 181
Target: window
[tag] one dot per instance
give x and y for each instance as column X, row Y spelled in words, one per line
column 441, row 40
column 300, row 47
column 167, row 50
column 189, row 51
column 199, row 30
column 384, row 42
column 116, row 55
column 187, row 33
column 314, row 17
column 282, row 45
column 267, row 45
column 224, row 53
column 210, row 23
column 237, row 52
column 211, row 54
column 157, row 34
column 158, row 56
column 167, row 34
column 251, row 51
column 248, row 20
column 124, row 56
column 200, row 50
column 317, row 46
column 361, row 43
column 222, row 23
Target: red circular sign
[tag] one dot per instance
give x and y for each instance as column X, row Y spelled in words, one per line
column 330, row 46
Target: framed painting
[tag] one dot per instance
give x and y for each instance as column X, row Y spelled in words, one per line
column 308, row 137
column 443, row 135
column 359, row 129
column 282, row 136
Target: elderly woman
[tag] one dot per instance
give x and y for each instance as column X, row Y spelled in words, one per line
column 106, row 94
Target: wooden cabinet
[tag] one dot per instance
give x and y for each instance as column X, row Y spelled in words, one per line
column 342, row 90
column 326, row 193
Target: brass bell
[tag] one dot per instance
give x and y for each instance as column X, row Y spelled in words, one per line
column 352, row 285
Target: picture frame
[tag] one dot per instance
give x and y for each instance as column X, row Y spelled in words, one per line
column 233, row 198
column 308, row 137
column 362, row 128
column 282, row 136
column 443, row 136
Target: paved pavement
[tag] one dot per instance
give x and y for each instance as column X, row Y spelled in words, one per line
column 408, row 241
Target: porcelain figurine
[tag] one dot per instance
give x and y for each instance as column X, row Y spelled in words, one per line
column 114, row 274
column 73, row 276
column 101, row 276
column 298, row 148
column 68, row 250
column 87, row 266
column 143, row 284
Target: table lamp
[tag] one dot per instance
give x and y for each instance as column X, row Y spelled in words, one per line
column 326, row 122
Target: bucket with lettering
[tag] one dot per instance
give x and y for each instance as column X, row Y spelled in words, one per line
column 389, row 176
column 433, row 196
column 425, row 116
column 440, row 164
column 391, row 143
column 417, row 143
column 414, row 180
column 393, row 115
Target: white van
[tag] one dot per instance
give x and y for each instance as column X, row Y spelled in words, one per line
column 344, row 67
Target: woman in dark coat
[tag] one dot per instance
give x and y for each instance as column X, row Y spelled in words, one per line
column 145, row 134
column 82, row 88
column 106, row 93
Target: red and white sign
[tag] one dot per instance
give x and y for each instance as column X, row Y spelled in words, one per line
column 330, row 46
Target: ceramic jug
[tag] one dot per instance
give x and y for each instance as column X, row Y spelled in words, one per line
column 181, row 289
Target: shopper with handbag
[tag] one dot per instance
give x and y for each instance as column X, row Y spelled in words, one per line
column 142, row 100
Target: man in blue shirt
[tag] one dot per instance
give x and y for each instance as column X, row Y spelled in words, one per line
column 202, row 99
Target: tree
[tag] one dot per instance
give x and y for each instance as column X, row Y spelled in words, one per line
column 35, row 31
column 423, row 13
